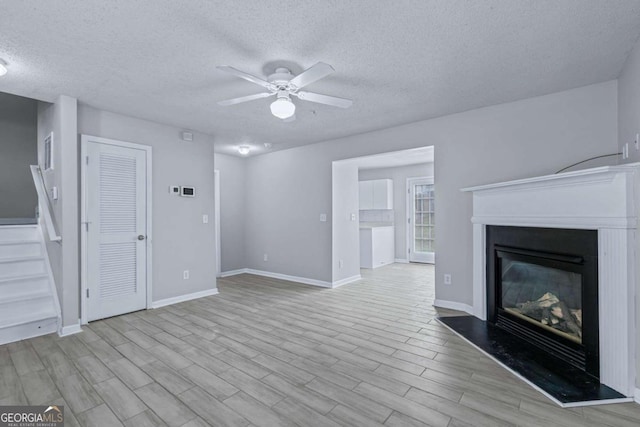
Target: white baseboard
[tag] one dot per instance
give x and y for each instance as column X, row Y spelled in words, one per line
column 636, row 396
column 401, row 260
column 70, row 330
column 304, row 280
column 183, row 298
column 452, row 305
column 346, row 280
column 234, row 272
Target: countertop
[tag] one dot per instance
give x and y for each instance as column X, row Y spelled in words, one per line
column 368, row 225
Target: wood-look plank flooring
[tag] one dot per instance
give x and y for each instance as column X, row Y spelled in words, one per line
column 266, row 352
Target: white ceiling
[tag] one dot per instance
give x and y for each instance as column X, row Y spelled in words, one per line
column 400, row 61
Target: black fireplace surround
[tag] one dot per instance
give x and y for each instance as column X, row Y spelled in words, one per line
column 542, row 286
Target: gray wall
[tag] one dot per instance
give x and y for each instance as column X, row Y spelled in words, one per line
column 628, row 126
column 232, row 211
column 399, row 176
column 61, row 119
column 181, row 241
column 345, row 244
column 287, row 190
column 18, row 150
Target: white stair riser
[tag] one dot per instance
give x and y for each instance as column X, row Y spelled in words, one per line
column 8, row 233
column 21, row 268
column 20, row 249
column 28, row 330
column 13, row 288
column 12, row 310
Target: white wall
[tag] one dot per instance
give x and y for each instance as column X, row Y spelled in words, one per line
column 61, row 119
column 18, row 150
column 399, row 175
column 345, row 231
column 181, row 241
column 628, row 126
column 232, row 211
column 287, row 190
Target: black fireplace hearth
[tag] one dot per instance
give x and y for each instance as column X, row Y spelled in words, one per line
column 542, row 287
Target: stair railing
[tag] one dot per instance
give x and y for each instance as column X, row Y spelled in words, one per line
column 44, row 204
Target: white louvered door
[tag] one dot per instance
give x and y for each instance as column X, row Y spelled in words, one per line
column 116, row 180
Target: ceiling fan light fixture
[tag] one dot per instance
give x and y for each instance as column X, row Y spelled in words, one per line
column 283, row 108
column 3, row 68
column 244, row 149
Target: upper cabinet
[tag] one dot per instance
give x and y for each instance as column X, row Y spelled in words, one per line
column 376, row 194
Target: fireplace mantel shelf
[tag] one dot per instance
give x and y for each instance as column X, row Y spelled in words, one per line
column 586, row 175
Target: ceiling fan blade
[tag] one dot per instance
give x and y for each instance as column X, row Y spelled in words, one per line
column 316, row 72
column 324, row 99
column 245, row 98
column 246, row 76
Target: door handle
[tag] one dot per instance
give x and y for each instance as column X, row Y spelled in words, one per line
column 141, row 237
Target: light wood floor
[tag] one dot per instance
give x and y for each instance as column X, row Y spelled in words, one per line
column 267, row 352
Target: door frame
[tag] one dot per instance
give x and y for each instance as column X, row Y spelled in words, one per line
column 216, row 189
column 409, row 212
column 84, row 253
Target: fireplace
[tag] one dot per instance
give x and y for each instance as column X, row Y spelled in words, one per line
column 542, row 286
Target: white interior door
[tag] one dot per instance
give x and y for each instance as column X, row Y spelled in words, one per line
column 116, row 229
column 421, row 221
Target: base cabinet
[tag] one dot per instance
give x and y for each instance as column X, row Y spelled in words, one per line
column 376, row 246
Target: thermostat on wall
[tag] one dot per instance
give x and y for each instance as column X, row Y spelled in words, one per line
column 188, row 191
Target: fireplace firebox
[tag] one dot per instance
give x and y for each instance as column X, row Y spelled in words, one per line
column 542, row 286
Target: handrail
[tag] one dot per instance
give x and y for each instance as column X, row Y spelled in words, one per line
column 45, row 204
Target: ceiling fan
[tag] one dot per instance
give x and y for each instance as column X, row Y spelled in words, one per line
column 283, row 85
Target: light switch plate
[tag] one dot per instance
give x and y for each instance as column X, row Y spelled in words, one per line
column 205, row 219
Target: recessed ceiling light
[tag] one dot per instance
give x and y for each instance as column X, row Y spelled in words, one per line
column 244, row 149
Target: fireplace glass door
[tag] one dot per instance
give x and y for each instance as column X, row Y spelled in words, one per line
column 550, row 298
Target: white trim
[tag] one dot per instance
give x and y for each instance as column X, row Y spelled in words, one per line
column 70, row 330
column 636, row 397
column 346, row 280
column 234, row 272
column 52, row 281
column 453, row 305
column 401, row 261
column 304, row 280
column 183, row 298
column 556, row 401
column 216, row 220
column 84, row 141
column 588, row 223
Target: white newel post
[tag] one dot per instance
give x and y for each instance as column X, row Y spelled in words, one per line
column 603, row 199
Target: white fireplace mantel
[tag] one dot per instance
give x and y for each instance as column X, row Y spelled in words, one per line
column 603, row 199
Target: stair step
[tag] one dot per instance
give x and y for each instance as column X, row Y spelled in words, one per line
column 24, row 296
column 17, row 267
column 26, row 277
column 28, row 327
column 17, row 312
column 18, row 232
column 12, row 288
column 20, row 248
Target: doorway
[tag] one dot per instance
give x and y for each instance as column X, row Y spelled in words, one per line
column 116, row 227
column 421, row 220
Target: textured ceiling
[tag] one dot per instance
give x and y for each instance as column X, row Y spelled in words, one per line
column 400, row 61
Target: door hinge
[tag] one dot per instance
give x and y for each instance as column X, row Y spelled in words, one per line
column 87, row 293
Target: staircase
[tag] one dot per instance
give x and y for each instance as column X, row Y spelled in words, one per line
column 28, row 301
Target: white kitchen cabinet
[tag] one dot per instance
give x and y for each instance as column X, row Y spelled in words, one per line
column 377, row 247
column 376, row 194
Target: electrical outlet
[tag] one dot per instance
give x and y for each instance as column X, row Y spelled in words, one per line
column 340, row 263
column 625, row 151
column 185, row 275
column 205, row 219
column 447, row 279
column 266, row 257
column 636, row 142
column 353, row 217
column 323, row 217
